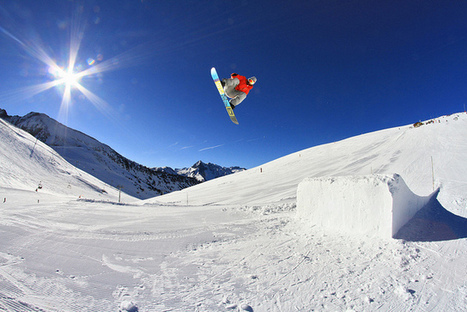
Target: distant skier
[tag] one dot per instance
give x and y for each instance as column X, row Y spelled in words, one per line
column 237, row 87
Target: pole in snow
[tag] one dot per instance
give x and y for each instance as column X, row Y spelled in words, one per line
column 433, row 172
column 119, row 193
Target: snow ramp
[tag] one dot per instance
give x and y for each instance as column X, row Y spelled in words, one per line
column 372, row 205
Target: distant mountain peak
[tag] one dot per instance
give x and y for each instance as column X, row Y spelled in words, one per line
column 202, row 171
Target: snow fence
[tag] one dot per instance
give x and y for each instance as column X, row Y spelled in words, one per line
column 374, row 205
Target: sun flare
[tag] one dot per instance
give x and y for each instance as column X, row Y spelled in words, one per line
column 67, row 77
column 70, row 79
column 72, row 76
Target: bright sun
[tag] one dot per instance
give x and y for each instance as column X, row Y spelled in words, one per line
column 65, row 77
column 70, row 79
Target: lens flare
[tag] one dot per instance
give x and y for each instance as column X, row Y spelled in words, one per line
column 68, row 75
column 66, row 78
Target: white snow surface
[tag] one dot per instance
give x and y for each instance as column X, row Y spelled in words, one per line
column 235, row 243
column 377, row 205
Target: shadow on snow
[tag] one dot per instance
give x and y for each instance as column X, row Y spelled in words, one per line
column 433, row 223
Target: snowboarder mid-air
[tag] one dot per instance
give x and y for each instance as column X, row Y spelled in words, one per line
column 237, row 87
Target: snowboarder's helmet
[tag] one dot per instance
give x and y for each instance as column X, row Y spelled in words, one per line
column 252, row 80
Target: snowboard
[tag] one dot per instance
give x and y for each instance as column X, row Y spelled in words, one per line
column 229, row 109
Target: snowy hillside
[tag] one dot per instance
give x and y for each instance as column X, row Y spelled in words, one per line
column 98, row 159
column 32, row 170
column 202, row 171
column 236, row 243
column 413, row 152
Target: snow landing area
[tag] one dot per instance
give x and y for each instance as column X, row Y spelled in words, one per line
column 90, row 256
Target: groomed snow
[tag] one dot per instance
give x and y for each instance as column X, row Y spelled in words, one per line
column 235, row 243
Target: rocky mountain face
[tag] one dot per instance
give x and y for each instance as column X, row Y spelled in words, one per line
column 98, row 159
column 202, row 171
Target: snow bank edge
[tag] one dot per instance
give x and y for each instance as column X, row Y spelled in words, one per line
column 372, row 205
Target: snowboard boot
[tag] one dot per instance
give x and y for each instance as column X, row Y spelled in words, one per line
column 231, row 105
column 223, row 83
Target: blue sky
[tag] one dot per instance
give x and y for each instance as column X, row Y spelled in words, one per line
column 326, row 70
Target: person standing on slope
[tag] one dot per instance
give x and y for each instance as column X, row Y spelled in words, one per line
column 237, row 87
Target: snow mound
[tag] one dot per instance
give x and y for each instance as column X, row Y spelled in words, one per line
column 128, row 306
column 373, row 205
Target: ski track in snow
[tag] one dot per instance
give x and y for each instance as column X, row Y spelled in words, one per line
column 205, row 249
column 281, row 270
column 269, row 261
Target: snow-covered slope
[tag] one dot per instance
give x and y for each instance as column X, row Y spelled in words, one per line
column 235, row 243
column 202, row 171
column 436, row 149
column 28, row 166
column 98, row 159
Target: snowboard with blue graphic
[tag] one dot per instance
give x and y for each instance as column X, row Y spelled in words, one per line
column 229, row 109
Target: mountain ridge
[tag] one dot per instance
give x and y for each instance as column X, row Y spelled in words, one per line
column 98, row 159
column 202, row 171
column 103, row 162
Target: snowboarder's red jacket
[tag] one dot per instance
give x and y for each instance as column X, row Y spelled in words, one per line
column 243, row 85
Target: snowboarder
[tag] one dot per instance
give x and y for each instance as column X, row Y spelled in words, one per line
column 237, row 87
